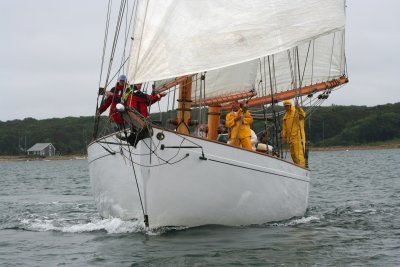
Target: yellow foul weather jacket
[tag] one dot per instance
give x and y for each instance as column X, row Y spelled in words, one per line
column 240, row 133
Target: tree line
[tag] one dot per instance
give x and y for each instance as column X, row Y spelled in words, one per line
column 328, row 126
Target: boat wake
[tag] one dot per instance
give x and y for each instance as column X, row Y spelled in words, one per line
column 296, row 221
column 111, row 226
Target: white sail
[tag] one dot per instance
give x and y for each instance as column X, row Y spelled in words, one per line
column 178, row 37
column 319, row 60
column 232, row 79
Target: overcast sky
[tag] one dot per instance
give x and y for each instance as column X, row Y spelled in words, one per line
column 51, row 55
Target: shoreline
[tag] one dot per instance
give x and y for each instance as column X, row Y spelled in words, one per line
column 312, row 149
column 362, row 147
column 30, row 158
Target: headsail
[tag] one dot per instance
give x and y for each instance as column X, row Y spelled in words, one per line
column 176, row 37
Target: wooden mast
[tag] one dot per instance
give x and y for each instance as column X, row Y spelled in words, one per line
column 214, row 113
column 184, row 105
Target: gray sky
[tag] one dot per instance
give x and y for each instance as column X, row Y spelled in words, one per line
column 51, row 54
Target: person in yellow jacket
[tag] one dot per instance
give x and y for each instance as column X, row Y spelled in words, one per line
column 238, row 121
column 293, row 131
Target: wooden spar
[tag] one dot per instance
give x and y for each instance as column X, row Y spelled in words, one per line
column 184, row 104
column 224, row 99
column 172, row 83
column 306, row 90
column 213, row 122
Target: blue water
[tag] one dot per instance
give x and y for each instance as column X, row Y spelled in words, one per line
column 48, row 218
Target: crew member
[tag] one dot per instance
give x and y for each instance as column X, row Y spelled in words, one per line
column 293, row 131
column 239, row 121
column 136, row 99
column 113, row 97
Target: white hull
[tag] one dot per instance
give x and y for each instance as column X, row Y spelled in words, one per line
column 231, row 187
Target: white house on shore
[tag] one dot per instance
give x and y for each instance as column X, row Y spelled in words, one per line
column 42, row 149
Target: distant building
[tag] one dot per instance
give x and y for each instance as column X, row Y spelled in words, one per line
column 42, row 149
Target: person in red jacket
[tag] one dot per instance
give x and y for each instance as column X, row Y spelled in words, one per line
column 140, row 101
column 136, row 100
column 113, row 97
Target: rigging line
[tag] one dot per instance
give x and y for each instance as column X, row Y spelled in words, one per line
column 168, row 161
column 257, row 170
column 137, row 186
column 203, row 78
column 116, row 36
column 173, row 101
column 201, row 99
column 295, row 83
column 298, row 68
column 127, row 31
column 152, row 94
column 161, row 159
column 262, row 93
column 290, row 66
column 300, row 85
column 108, row 150
column 119, row 143
column 305, row 65
column 317, row 103
column 97, row 116
column 116, row 73
column 312, row 107
column 105, row 39
column 125, row 37
column 186, row 139
column 344, row 54
column 261, row 78
column 273, row 105
column 162, row 164
column 140, row 43
column 278, row 119
column 195, row 89
column 169, row 96
column 165, row 162
column 330, row 63
column 312, row 62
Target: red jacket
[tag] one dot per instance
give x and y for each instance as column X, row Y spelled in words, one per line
column 113, row 99
column 140, row 101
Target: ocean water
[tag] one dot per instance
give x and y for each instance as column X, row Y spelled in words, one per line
column 48, row 218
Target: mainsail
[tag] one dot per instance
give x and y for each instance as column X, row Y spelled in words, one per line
column 177, row 37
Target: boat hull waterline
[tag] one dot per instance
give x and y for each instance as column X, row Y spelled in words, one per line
column 187, row 181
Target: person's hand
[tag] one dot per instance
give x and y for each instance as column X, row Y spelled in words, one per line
column 108, row 93
column 162, row 94
column 238, row 116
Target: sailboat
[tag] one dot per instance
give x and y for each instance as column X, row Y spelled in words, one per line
column 204, row 55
